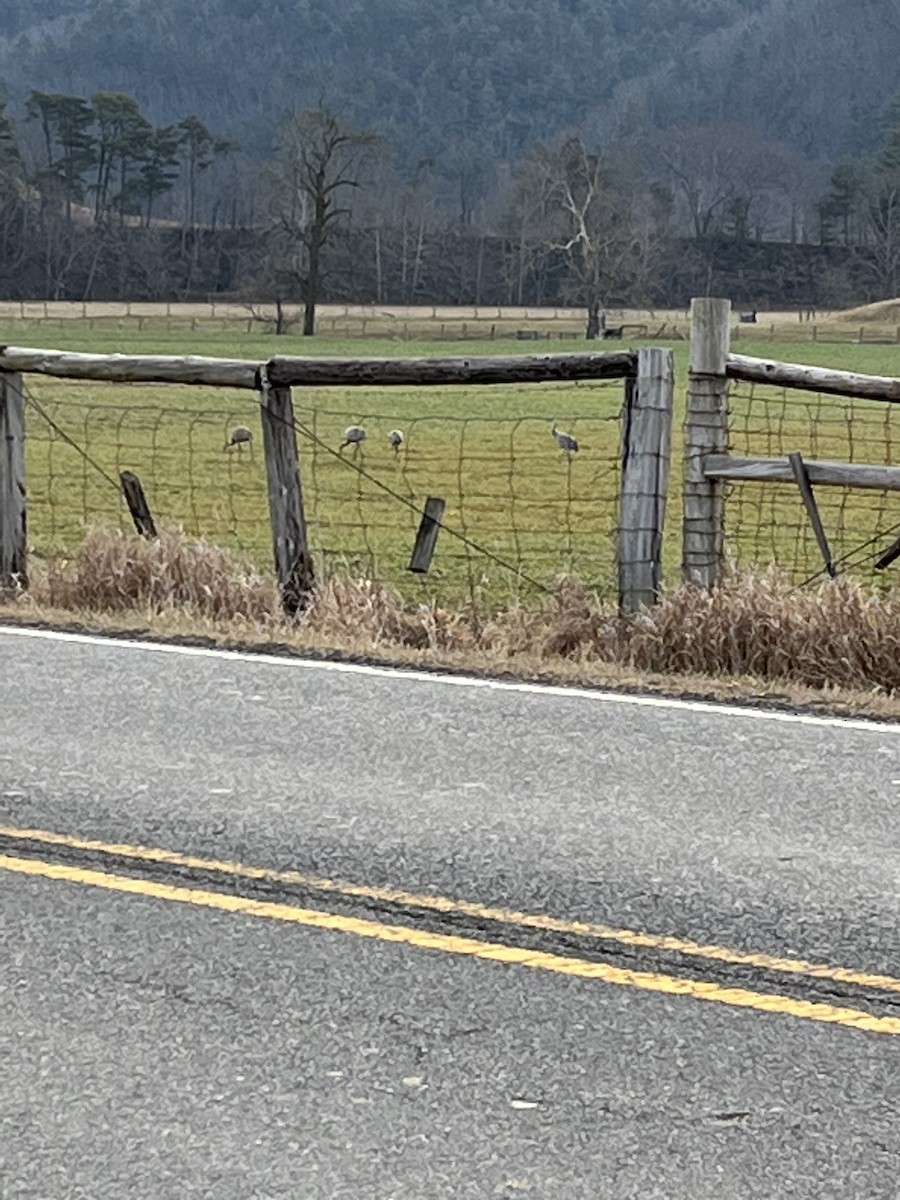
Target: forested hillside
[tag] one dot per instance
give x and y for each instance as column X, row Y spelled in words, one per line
column 498, row 73
column 585, row 151
column 501, row 73
column 810, row 73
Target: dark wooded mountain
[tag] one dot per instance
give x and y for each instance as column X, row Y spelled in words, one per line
column 813, row 74
column 497, row 74
column 726, row 124
column 500, row 73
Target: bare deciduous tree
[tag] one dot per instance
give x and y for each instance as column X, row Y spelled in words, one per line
column 568, row 205
column 317, row 160
column 729, row 179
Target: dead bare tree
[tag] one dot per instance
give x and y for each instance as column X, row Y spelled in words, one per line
column 569, row 206
column 317, row 160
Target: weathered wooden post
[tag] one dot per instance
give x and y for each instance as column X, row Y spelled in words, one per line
column 136, row 499
column 426, row 538
column 705, row 432
column 293, row 561
column 13, row 571
column 646, row 453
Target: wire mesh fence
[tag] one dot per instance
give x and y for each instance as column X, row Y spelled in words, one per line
column 520, row 510
column 77, row 446
column 767, row 522
column 512, row 494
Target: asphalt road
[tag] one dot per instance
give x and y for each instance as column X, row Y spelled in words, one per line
column 155, row 1045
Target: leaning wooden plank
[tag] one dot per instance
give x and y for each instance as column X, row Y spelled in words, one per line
column 821, row 472
column 890, row 555
column 801, row 478
column 349, row 372
column 813, row 379
column 131, row 368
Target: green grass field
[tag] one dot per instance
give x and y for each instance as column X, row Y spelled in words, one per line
column 487, row 451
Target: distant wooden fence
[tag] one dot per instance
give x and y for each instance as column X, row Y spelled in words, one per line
column 829, row 335
column 648, row 397
column 394, row 321
column 222, row 309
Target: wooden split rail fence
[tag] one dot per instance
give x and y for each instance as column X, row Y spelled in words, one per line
column 648, row 393
column 646, row 418
column 708, row 466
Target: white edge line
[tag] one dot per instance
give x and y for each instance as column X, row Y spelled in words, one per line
column 454, row 680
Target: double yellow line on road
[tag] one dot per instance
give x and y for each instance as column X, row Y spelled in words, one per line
column 457, row 945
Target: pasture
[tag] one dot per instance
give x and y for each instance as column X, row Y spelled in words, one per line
column 525, row 511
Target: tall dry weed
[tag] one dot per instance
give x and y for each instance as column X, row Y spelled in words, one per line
column 113, row 572
column 839, row 634
column 344, row 606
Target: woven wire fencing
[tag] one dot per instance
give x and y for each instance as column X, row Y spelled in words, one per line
column 767, row 523
column 520, row 511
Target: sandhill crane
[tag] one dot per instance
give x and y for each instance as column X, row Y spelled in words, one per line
column 354, row 435
column 395, row 437
column 565, row 441
column 239, row 437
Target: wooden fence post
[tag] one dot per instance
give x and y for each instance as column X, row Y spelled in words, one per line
column 646, row 452
column 426, row 538
column 293, row 561
column 705, row 432
column 13, row 573
column 136, row 499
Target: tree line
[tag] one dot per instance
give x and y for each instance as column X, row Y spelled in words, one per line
column 98, row 202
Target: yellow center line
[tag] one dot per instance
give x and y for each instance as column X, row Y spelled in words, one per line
column 491, row 951
column 444, row 904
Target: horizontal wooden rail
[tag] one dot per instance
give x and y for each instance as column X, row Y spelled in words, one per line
column 813, row 379
column 352, row 372
column 131, row 368
column 821, row 473
column 288, row 372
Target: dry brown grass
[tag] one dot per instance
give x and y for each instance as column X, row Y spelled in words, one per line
column 837, row 645
column 114, row 572
column 839, row 634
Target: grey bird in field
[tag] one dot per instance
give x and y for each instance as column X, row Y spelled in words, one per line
column 239, row 437
column 395, row 437
column 354, row 435
column 565, row 441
